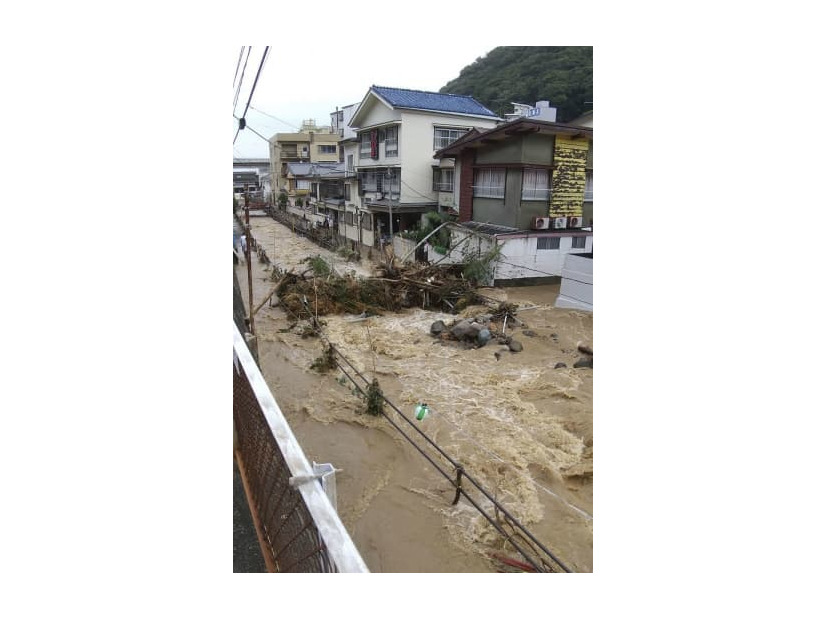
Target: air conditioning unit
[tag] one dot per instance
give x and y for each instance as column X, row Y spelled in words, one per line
column 541, row 223
column 559, row 222
column 574, row 222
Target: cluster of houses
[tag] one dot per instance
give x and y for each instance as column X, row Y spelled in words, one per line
column 524, row 182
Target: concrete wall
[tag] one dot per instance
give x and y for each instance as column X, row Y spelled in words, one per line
column 530, row 149
column 351, row 231
column 376, row 113
column 521, row 259
column 577, row 288
column 509, row 151
column 319, row 139
column 519, row 256
column 402, row 246
column 494, row 211
column 537, row 149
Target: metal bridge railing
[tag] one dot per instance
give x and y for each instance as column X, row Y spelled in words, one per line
column 297, row 526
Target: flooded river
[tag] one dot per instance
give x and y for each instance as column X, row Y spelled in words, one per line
column 520, row 426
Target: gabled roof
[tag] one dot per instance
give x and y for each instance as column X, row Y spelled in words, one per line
column 520, row 126
column 438, row 102
column 408, row 99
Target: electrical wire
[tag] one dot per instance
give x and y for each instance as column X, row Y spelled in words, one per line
column 429, row 198
column 258, row 134
column 554, row 275
column 252, row 92
column 275, row 117
column 237, row 66
column 241, row 81
column 255, row 83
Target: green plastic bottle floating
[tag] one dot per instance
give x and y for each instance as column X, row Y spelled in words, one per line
column 421, row 411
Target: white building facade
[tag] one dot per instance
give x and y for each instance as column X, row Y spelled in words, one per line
column 397, row 133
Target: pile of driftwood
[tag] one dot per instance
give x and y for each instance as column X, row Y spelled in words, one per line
column 323, row 292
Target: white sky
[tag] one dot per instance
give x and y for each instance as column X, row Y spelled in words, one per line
column 310, row 84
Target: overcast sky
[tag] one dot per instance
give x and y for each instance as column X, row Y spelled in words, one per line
column 310, row 84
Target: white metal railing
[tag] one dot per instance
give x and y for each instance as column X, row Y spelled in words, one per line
column 337, row 545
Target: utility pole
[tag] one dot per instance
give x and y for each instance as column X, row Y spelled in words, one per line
column 247, row 254
column 390, row 206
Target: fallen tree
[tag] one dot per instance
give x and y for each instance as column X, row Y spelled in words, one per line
column 323, row 292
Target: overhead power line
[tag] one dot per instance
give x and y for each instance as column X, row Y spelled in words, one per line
column 255, row 83
column 238, row 65
column 241, row 81
column 258, row 134
column 242, row 121
column 274, row 117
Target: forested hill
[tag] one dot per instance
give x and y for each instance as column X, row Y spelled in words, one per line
column 562, row 75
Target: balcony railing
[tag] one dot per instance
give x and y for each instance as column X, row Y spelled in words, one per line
column 298, row 528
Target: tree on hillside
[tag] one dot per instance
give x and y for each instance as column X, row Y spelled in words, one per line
column 562, row 75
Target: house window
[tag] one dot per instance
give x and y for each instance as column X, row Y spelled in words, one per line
column 442, row 137
column 302, row 184
column 578, row 243
column 547, row 243
column 365, row 221
column 364, row 150
column 368, row 183
column 535, row 184
column 346, row 191
column 489, row 183
column 391, row 182
column 589, row 186
column 350, row 167
column 442, row 180
column 391, row 142
column 327, row 149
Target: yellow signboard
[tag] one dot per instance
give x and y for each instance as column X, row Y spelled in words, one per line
column 568, row 181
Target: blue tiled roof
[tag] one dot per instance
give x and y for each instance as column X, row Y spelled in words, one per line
column 422, row 100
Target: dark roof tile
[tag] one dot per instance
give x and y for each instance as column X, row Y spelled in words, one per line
column 423, row 100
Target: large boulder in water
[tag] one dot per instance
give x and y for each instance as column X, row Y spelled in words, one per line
column 466, row 330
column 437, row 327
column 483, row 337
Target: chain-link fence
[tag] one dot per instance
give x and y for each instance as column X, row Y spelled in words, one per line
column 298, row 527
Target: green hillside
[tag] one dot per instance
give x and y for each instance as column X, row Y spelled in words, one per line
column 562, row 75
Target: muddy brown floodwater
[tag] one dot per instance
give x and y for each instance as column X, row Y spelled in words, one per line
column 521, row 427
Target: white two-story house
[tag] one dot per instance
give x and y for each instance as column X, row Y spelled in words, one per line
column 398, row 132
